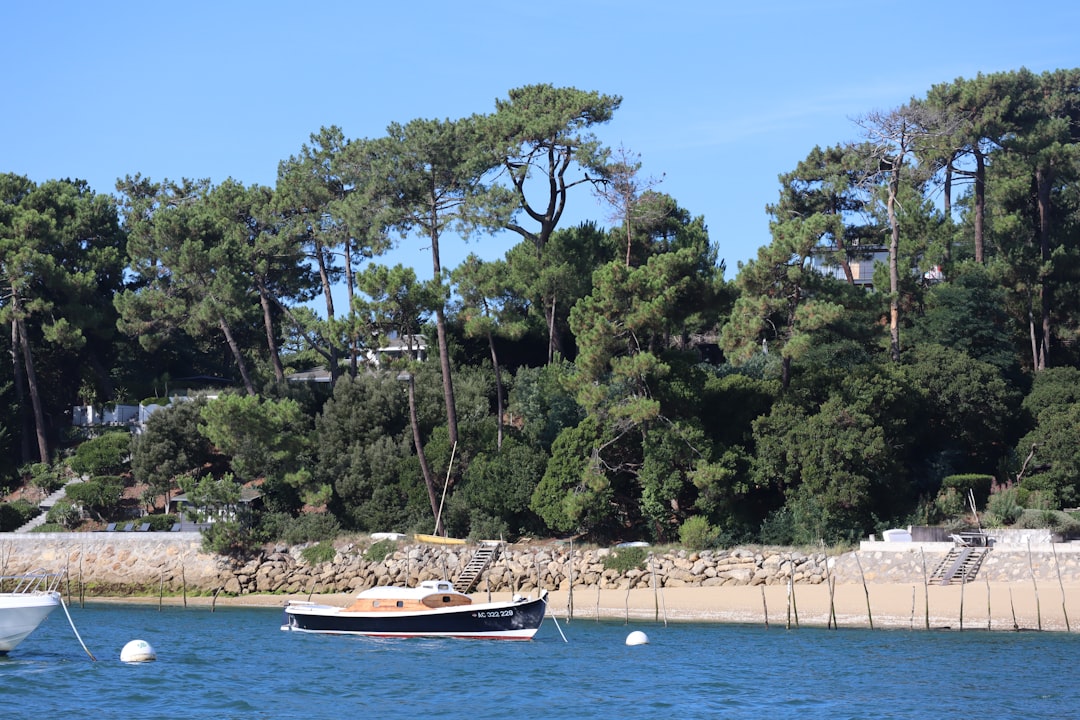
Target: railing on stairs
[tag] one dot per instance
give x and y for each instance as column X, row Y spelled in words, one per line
column 480, row 561
column 960, row 565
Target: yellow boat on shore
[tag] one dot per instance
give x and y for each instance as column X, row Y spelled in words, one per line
column 438, row 539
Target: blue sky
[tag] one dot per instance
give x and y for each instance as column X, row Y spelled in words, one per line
column 718, row 98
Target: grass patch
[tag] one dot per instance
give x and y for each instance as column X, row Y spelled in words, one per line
column 624, row 559
column 319, row 553
column 380, row 551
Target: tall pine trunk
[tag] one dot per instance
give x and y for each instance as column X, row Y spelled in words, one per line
column 20, row 339
column 444, row 348
column 237, row 355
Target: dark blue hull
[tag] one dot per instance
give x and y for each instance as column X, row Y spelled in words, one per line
column 494, row 621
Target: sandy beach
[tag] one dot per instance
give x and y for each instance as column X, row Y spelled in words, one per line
column 995, row 606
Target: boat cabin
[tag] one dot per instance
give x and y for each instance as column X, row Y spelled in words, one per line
column 430, row 595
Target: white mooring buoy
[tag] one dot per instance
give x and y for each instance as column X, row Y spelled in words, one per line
column 637, row 638
column 137, row 651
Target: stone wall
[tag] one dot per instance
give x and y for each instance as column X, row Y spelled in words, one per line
column 121, row 563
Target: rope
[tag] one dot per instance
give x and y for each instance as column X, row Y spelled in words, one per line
column 72, row 623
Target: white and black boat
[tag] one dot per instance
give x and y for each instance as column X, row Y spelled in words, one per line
column 434, row 609
column 25, row 601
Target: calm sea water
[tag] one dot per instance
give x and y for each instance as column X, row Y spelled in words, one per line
column 237, row 663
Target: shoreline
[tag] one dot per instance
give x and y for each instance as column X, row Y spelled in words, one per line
column 993, row 606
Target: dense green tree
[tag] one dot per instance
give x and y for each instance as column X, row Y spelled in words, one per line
column 967, row 409
column 60, row 249
column 189, row 278
column 968, row 313
column 104, row 454
column 493, row 501
column 541, row 133
column 782, row 299
column 551, row 283
column 1036, row 203
column 266, row 439
column 1047, row 459
column 488, row 309
column 829, row 183
column 429, row 177
column 543, row 401
column 362, row 449
column 171, row 445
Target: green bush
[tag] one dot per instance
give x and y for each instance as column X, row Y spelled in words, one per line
column 1003, row 507
column 380, row 551
column 161, row 522
column 99, row 496
column 778, row 528
column 319, row 553
column 697, row 534
column 44, row 477
column 15, row 514
column 624, row 559
column 950, row 503
column 50, row 528
column 305, row 528
column 103, row 455
column 63, row 513
column 977, row 483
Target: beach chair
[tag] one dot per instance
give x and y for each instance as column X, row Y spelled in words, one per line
column 127, row 528
column 175, row 527
column 111, row 527
column 144, row 527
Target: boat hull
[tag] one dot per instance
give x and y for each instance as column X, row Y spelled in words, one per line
column 488, row 621
column 20, row 615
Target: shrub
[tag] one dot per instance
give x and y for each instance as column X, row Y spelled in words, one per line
column 44, row 477
column 50, row 528
column 379, row 551
column 950, row 503
column 15, row 514
column 63, row 513
column 106, row 454
column 980, row 485
column 161, row 522
column 484, row 526
column 624, row 559
column 307, row 527
column 697, row 534
column 778, row 528
column 319, row 553
column 1003, row 507
column 99, row 496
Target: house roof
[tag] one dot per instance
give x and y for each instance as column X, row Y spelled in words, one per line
column 315, row 374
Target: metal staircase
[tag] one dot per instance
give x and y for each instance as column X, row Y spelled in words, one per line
column 481, row 560
column 960, row 565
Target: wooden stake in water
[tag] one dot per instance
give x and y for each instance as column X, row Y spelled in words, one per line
column 963, row 584
column 831, row 585
column 570, row 576
column 926, row 589
column 1013, row 608
column 1031, row 569
column 866, row 590
column 1057, row 566
column 764, row 606
column 989, row 617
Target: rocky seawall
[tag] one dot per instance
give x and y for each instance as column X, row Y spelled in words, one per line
column 139, row 563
